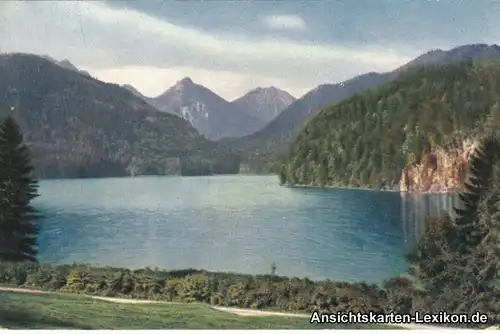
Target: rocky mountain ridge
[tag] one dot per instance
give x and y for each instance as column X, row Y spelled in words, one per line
column 210, row 114
column 213, row 116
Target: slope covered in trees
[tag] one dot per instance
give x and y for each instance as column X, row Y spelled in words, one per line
column 367, row 140
column 261, row 147
column 78, row 126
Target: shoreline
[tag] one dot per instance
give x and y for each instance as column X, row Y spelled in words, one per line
column 145, row 176
column 291, row 186
column 411, row 192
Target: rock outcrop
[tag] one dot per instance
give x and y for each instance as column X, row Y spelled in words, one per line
column 440, row 171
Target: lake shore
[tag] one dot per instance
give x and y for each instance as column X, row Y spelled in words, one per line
column 394, row 190
column 370, row 189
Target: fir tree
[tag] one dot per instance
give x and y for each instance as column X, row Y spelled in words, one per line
column 470, row 230
column 456, row 264
column 18, row 219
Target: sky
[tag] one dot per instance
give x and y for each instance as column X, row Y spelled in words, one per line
column 232, row 47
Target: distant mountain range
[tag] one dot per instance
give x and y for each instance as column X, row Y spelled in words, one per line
column 272, row 115
column 73, row 120
column 215, row 117
column 210, row 114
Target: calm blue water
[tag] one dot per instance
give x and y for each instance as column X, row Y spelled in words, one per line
column 230, row 223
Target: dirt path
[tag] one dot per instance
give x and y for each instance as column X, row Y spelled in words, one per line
column 250, row 312
column 233, row 310
column 131, row 301
column 9, row 289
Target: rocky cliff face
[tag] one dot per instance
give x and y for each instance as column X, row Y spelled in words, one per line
column 443, row 170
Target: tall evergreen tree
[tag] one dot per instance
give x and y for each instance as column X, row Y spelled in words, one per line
column 18, row 218
column 480, row 184
column 456, row 266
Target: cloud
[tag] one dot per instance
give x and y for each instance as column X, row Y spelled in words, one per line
column 103, row 39
column 292, row 22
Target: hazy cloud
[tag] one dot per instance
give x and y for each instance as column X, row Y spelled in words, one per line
column 293, row 22
column 106, row 40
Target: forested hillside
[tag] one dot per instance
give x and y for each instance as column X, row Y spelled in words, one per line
column 261, row 148
column 78, row 126
column 367, row 140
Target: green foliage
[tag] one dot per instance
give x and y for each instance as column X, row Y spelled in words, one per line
column 195, row 288
column 366, row 140
column 227, row 164
column 222, row 289
column 18, row 228
column 456, row 267
column 470, row 231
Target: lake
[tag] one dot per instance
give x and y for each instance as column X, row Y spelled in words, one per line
column 231, row 223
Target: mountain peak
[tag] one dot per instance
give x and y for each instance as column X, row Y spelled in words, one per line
column 65, row 62
column 267, row 89
column 264, row 103
column 185, row 82
column 210, row 114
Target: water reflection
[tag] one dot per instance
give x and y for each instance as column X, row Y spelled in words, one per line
column 415, row 207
